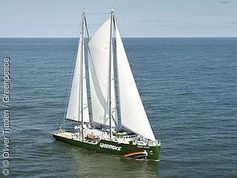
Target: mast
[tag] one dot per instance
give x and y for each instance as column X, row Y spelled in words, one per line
column 117, row 78
column 81, row 75
column 109, row 82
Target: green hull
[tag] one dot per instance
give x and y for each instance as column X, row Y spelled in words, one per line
column 111, row 147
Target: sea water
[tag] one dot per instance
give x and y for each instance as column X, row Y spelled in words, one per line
column 188, row 87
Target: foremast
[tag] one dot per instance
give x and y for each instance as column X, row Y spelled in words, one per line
column 77, row 109
column 81, row 75
column 109, row 73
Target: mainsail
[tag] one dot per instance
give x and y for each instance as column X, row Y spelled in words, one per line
column 98, row 71
column 75, row 102
column 133, row 115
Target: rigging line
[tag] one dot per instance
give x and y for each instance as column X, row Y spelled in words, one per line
column 109, row 82
column 115, row 65
column 103, row 103
column 87, row 68
column 67, row 86
column 114, row 119
column 89, row 105
column 93, row 65
column 87, row 30
column 98, row 13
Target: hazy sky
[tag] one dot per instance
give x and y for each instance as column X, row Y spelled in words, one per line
column 136, row 18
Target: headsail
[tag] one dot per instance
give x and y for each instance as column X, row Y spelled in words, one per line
column 98, row 71
column 133, row 115
column 74, row 109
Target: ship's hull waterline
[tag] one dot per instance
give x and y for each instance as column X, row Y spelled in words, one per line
column 139, row 152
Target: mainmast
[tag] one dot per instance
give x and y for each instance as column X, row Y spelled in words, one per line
column 81, row 75
column 109, row 81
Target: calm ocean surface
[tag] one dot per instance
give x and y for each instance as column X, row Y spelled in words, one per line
column 188, row 87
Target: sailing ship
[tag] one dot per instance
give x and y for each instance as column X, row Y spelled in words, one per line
column 112, row 119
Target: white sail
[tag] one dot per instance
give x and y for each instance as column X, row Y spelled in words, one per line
column 74, row 105
column 98, row 70
column 133, row 115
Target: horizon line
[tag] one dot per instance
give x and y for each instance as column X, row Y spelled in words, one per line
column 122, row 37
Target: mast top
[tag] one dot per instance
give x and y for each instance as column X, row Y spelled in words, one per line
column 83, row 13
column 112, row 11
